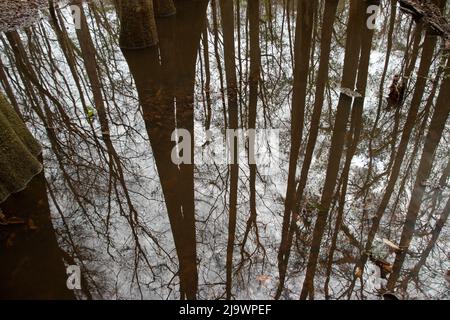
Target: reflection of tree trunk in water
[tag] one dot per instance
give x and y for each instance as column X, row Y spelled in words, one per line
column 304, row 27
column 322, row 78
column 31, row 262
column 255, row 65
column 188, row 27
column 354, row 136
column 425, row 63
column 353, row 44
column 239, row 69
column 30, row 77
column 288, row 18
column 227, row 15
column 434, row 135
column 90, row 63
column 65, row 44
column 437, row 194
column 207, row 85
column 388, row 51
column 382, row 83
column 158, row 87
column 410, row 62
column 88, row 51
column 103, row 23
column 218, row 60
column 416, row 143
column 414, row 273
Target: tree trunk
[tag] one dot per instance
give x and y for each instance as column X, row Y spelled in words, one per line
column 353, row 44
column 425, row 63
column 434, row 135
column 322, row 78
column 169, row 75
column 137, row 24
column 255, row 66
column 434, row 237
column 207, row 84
column 354, row 136
column 227, row 14
column 303, row 39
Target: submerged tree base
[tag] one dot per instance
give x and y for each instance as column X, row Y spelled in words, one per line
column 137, row 24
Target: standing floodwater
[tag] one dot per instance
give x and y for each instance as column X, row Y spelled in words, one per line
column 224, row 149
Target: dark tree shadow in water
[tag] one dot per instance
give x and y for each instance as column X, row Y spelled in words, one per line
column 165, row 80
column 31, row 263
